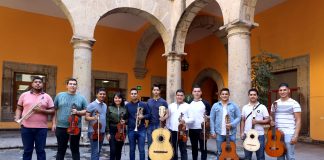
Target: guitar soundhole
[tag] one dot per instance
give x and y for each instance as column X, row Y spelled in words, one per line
column 161, row 138
column 252, row 136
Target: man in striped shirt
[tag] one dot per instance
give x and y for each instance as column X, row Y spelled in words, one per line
column 287, row 119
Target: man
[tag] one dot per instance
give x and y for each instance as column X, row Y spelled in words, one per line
column 92, row 116
column 287, row 119
column 175, row 110
column 132, row 117
column 218, row 124
column 34, row 128
column 153, row 105
column 260, row 112
column 67, row 104
column 199, row 108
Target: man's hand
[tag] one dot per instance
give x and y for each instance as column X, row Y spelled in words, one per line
column 182, row 122
column 108, row 137
column 293, row 140
column 228, row 126
column 140, row 117
column 254, row 122
column 38, row 110
column 272, row 123
column 74, row 111
column 242, row 136
column 213, row 136
column 53, row 127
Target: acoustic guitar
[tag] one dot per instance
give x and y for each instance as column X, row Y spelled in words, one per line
column 161, row 148
column 274, row 146
column 252, row 143
column 228, row 147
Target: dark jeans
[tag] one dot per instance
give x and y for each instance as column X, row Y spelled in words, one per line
column 259, row 153
column 115, row 146
column 138, row 136
column 31, row 136
column 62, row 143
column 182, row 146
column 95, row 153
column 194, row 135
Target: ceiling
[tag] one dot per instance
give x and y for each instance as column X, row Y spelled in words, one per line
column 121, row 20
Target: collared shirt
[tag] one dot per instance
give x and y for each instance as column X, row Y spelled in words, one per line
column 63, row 104
column 28, row 100
column 216, row 116
column 101, row 107
column 260, row 113
column 154, row 105
column 175, row 111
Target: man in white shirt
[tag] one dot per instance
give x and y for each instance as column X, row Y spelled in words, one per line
column 177, row 109
column 287, row 119
column 198, row 109
column 255, row 114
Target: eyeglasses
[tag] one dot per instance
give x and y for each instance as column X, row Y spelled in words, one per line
column 133, row 93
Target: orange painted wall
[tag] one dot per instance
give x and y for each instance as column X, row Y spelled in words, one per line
column 33, row 38
column 296, row 28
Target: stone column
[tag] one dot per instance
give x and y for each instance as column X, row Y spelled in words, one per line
column 82, row 71
column 239, row 61
column 173, row 74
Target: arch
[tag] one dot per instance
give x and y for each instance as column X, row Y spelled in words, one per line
column 247, row 8
column 183, row 25
column 144, row 44
column 66, row 12
column 210, row 73
column 150, row 35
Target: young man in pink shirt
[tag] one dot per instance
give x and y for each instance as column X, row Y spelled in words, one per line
column 34, row 128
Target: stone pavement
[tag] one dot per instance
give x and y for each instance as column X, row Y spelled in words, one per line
column 11, row 149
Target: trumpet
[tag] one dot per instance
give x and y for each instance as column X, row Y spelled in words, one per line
column 29, row 113
column 138, row 122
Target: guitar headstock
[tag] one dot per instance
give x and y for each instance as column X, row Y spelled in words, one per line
column 227, row 119
column 161, row 111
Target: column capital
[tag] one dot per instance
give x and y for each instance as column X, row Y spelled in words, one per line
column 140, row 72
column 239, row 27
column 173, row 55
column 82, row 42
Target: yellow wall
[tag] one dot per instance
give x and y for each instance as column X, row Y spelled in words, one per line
column 38, row 39
column 292, row 29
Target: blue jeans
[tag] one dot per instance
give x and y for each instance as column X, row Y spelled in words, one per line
column 95, row 154
column 259, row 153
column 290, row 152
column 220, row 139
column 31, row 136
column 138, row 136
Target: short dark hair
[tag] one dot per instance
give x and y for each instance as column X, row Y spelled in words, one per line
column 71, row 79
column 195, row 86
column 133, row 89
column 224, row 89
column 155, row 85
column 119, row 95
column 283, row 85
column 180, row 91
column 37, row 77
column 100, row 90
column 253, row 90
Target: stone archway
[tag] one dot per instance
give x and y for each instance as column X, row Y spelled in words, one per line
column 150, row 35
column 210, row 73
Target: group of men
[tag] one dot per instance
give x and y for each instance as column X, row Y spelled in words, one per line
column 34, row 129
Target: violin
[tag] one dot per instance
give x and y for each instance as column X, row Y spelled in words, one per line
column 120, row 134
column 182, row 136
column 205, row 125
column 96, row 128
column 73, row 120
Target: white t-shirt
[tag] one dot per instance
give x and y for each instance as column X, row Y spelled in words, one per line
column 284, row 115
column 224, row 120
column 196, row 114
column 174, row 113
column 260, row 113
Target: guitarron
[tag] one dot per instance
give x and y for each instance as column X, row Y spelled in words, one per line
column 274, row 146
column 228, row 147
column 161, row 148
column 251, row 143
